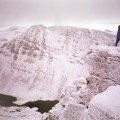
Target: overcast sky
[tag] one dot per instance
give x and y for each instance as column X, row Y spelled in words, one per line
column 59, row 12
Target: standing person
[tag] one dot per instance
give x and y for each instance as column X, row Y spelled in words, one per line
column 118, row 36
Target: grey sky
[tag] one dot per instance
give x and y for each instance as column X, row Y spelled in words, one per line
column 59, row 11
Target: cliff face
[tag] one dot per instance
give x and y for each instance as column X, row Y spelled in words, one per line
column 65, row 63
column 41, row 61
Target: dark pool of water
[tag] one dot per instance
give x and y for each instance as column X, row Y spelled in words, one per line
column 43, row 106
column 7, row 100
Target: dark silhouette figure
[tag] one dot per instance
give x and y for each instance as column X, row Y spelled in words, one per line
column 118, row 36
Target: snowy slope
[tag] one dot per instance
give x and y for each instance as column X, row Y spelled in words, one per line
column 66, row 63
column 17, row 113
column 41, row 61
column 10, row 32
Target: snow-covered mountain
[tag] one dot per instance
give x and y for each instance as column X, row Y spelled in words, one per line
column 58, row 63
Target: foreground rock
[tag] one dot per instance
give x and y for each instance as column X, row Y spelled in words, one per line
column 106, row 106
